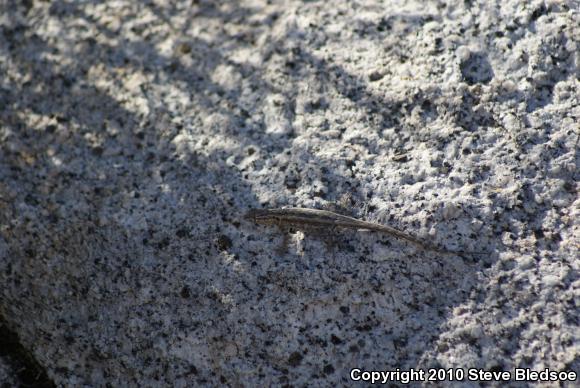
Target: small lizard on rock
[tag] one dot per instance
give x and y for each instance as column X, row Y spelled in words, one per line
column 302, row 218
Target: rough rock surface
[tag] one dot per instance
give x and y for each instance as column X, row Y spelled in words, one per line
column 7, row 374
column 134, row 135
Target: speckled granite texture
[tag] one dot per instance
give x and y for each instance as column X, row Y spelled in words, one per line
column 7, row 374
column 134, row 136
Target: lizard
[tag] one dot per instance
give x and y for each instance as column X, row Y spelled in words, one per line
column 303, row 218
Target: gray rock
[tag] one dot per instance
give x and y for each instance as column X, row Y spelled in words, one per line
column 134, row 137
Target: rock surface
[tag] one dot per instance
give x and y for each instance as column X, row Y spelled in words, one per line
column 135, row 135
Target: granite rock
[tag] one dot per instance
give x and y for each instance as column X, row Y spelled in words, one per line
column 135, row 135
